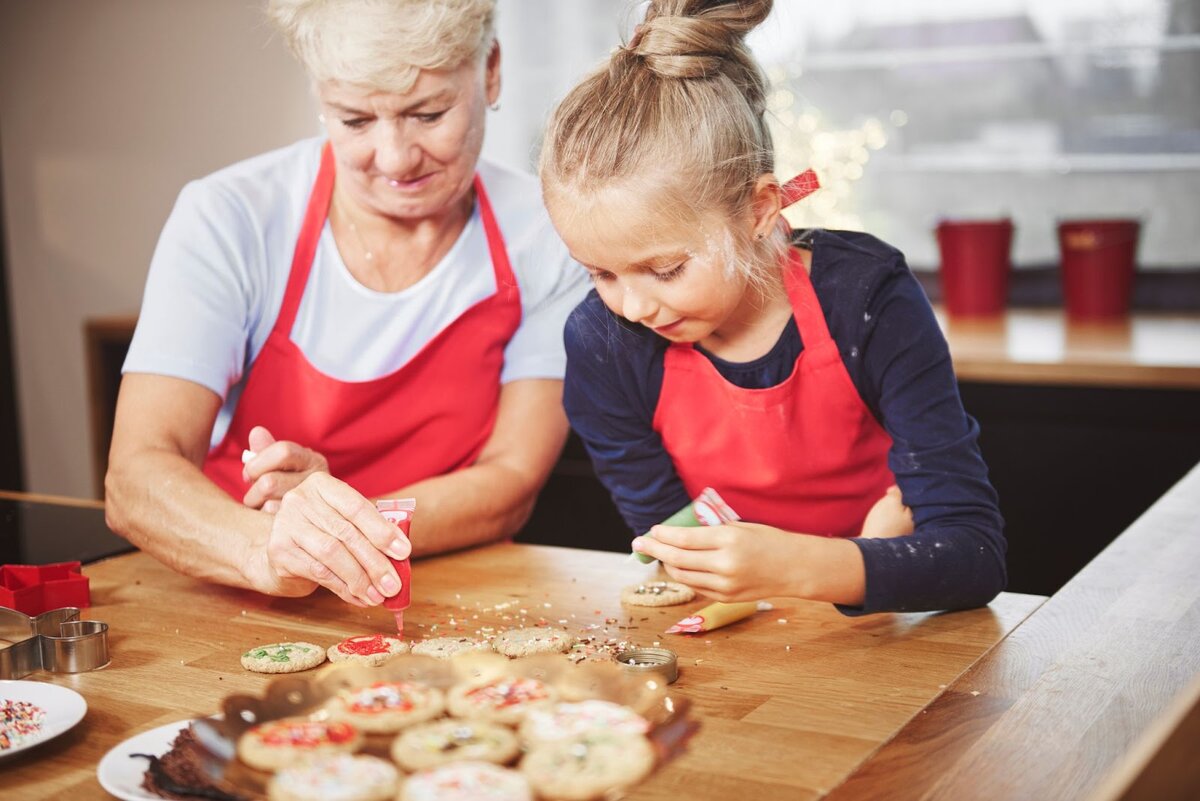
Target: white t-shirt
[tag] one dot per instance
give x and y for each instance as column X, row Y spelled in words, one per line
column 218, row 275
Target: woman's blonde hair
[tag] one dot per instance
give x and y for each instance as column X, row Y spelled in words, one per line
column 681, row 107
column 383, row 44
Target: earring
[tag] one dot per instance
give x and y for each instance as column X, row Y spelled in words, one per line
column 321, row 118
column 759, row 236
column 495, row 106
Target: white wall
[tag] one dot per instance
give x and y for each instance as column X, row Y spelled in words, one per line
column 107, row 107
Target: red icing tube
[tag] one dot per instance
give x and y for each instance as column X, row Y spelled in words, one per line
column 400, row 512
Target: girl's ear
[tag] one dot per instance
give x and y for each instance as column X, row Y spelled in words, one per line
column 767, row 204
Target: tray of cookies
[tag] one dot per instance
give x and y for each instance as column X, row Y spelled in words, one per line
column 474, row 726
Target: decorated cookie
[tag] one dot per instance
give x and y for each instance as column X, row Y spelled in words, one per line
column 338, row 777
column 283, row 657
column 367, row 649
column 657, row 593
column 430, row 745
column 570, row 721
column 385, row 707
column 467, row 781
column 589, row 766
column 539, row 640
column 280, row 743
column 501, row 700
column 446, row 647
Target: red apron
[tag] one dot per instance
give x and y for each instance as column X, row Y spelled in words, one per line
column 429, row 417
column 805, row 455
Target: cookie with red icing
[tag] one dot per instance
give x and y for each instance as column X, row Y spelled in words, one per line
column 340, row 777
column 386, row 707
column 500, row 700
column 467, row 781
column 367, row 649
column 279, row 743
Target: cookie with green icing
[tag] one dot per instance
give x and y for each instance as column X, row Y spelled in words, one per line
column 283, row 657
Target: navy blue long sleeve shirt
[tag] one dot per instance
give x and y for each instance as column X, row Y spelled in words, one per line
column 899, row 362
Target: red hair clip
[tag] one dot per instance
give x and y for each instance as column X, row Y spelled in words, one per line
column 800, row 187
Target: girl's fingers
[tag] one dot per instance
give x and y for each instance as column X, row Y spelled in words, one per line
column 699, row 580
column 675, row 556
column 695, row 539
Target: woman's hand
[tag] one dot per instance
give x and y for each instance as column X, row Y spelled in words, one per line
column 327, row 533
column 889, row 517
column 732, row 562
column 277, row 466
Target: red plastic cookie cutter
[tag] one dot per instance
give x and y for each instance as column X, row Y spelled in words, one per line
column 34, row 589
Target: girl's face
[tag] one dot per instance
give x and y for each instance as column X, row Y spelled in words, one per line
column 410, row 156
column 678, row 279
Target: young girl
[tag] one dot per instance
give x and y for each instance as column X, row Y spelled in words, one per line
column 799, row 373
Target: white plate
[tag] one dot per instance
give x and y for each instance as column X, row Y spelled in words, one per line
column 63, row 707
column 121, row 775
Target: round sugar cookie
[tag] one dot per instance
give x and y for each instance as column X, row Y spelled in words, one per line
column 537, row 640
column 657, row 593
column 500, row 700
column 279, row 743
column 283, row 657
column 588, row 767
column 446, row 647
column 386, row 707
column 430, row 745
column 569, row 721
column 371, row 650
column 467, row 781
column 338, row 777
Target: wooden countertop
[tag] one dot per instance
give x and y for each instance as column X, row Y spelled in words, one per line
column 1061, row 707
column 1040, row 346
column 790, row 702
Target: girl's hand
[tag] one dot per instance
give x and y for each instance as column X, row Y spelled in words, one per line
column 277, row 466
column 889, row 517
column 732, row 562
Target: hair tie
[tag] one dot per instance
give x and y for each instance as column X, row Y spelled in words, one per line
column 800, row 187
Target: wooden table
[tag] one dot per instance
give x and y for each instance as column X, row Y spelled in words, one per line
column 1072, row 704
column 790, row 702
column 1040, row 346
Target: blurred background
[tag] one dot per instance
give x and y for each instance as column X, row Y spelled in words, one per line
column 910, row 110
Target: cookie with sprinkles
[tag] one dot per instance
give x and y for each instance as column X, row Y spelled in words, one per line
column 386, row 707
column 588, row 767
column 283, row 657
column 570, row 721
column 536, row 640
column 371, row 650
column 20, row 722
column 657, row 593
column 500, row 700
column 467, row 781
column 441, row 742
column 338, row 777
column 446, row 647
column 277, row 744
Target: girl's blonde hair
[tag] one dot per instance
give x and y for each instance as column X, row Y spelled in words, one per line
column 679, row 109
column 383, row 44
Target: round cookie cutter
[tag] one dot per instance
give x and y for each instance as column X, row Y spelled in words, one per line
column 649, row 662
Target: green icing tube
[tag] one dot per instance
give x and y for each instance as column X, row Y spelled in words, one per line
column 684, row 517
column 713, row 511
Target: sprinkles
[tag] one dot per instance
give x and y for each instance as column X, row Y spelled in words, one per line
column 20, row 722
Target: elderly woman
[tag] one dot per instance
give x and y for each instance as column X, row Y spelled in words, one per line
column 373, row 313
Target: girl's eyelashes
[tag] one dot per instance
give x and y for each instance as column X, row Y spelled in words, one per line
column 600, row 275
column 671, row 274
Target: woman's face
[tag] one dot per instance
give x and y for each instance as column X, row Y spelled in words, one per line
column 410, row 156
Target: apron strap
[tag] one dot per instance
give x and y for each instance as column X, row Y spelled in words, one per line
column 306, row 244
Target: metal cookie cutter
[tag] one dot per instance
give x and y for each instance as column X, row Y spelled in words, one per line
column 57, row 641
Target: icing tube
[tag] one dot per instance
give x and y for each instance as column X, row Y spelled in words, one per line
column 400, row 512
column 706, row 509
column 716, row 615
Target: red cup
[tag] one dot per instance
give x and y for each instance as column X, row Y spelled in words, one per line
column 975, row 265
column 1098, row 261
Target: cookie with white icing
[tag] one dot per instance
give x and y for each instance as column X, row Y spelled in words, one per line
column 386, row 707
column 371, row 650
column 657, row 593
column 588, row 767
column 277, row 744
column 570, row 721
column 536, row 640
column 283, row 657
column 440, row 742
column 339, row 777
column 467, row 781
column 446, row 647
column 500, row 700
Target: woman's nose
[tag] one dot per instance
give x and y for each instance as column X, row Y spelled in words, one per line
column 396, row 151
